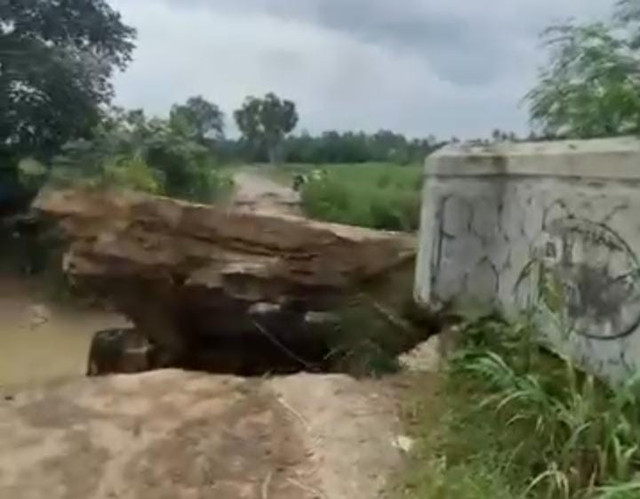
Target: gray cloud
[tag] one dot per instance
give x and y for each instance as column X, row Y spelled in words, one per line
column 419, row 66
column 467, row 41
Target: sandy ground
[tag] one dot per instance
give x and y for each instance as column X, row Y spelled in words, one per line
column 171, row 434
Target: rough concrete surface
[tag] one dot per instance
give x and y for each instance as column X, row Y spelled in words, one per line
column 189, row 275
column 172, row 434
column 552, row 226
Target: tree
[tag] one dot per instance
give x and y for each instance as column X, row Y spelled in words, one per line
column 498, row 135
column 590, row 87
column 627, row 14
column 56, row 61
column 129, row 150
column 265, row 123
column 198, row 120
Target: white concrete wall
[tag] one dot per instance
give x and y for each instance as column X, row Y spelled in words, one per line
column 570, row 211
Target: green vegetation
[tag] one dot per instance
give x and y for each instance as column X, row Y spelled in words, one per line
column 57, row 60
column 265, row 122
column 57, row 124
column 591, row 84
column 56, row 63
column 334, row 147
column 128, row 150
column 380, row 196
column 198, row 120
column 371, row 335
column 363, row 344
column 514, row 421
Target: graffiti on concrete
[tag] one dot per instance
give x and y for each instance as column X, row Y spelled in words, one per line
column 555, row 234
column 590, row 274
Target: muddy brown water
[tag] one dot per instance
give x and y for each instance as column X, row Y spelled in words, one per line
column 42, row 339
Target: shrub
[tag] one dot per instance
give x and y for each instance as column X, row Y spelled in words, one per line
column 148, row 155
column 134, row 174
column 31, row 173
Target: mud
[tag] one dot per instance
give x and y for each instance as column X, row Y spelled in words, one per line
column 43, row 339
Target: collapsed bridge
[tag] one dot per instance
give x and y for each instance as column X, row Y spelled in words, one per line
column 201, row 281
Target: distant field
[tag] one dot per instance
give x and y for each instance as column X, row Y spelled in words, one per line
column 376, row 195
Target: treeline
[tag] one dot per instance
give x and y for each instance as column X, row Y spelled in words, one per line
column 349, row 147
column 267, row 123
column 333, row 147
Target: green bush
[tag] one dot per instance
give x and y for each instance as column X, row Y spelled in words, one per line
column 134, row 174
column 377, row 196
column 31, row 173
column 207, row 185
column 132, row 152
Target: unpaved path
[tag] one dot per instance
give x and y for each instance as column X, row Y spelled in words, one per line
column 255, row 192
column 171, row 434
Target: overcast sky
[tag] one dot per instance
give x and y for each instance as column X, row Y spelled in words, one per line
column 447, row 67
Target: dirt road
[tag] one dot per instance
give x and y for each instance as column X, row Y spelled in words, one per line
column 255, row 192
column 172, row 434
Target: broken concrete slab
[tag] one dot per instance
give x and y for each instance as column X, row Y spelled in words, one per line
column 191, row 276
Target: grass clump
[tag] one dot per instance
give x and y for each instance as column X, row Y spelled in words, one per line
column 371, row 332
column 522, row 423
column 379, row 196
column 363, row 344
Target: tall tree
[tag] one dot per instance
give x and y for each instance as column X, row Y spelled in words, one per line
column 56, row 62
column 266, row 122
column 590, row 87
column 198, row 120
column 627, row 14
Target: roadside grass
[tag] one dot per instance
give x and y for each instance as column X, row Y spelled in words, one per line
column 376, row 195
column 514, row 421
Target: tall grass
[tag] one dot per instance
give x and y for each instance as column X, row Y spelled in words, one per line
column 379, row 196
column 370, row 337
column 523, row 423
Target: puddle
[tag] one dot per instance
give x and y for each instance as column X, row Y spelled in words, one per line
column 42, row 341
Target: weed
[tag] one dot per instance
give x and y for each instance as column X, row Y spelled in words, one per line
column 523, row 423
column 371, row 195
column 370, row 336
